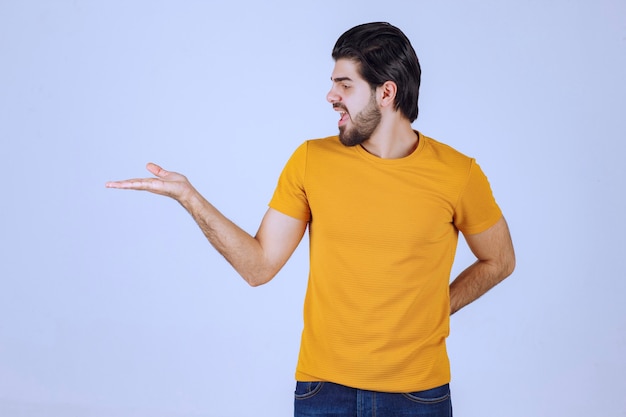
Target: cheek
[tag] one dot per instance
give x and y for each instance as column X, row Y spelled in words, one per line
column 358, row 105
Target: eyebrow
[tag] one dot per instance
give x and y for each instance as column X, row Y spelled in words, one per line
column 340, row 79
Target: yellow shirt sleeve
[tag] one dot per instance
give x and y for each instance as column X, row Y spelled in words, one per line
column 476, row 210
column 290, row 196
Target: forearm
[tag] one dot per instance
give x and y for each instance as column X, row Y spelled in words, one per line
column 238, row 247
column 475, row 281
column 258, row 258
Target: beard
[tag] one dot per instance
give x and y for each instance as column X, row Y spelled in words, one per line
column 364, row 124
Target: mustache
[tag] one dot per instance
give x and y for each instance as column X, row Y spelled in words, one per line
column 340, row 106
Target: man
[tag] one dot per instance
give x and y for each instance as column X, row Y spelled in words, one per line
column 384, row 205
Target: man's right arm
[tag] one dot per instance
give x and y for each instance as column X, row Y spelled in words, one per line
column 257, row 259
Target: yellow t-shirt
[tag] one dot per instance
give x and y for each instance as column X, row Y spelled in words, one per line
column 383, row 234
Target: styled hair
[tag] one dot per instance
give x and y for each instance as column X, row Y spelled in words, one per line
column 383, row 53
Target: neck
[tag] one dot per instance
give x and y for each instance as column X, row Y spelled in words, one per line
column 392, row 139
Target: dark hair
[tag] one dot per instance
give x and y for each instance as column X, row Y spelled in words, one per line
column 384, row 54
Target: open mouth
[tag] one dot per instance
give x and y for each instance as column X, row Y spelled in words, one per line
column 344, row 118
column 343, row 113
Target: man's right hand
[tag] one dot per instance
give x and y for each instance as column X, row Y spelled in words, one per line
column 167, row 183
column 257, row 259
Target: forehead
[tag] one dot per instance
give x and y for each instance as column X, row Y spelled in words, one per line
column 346, row 69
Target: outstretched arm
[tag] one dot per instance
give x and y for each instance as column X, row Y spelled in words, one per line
column 257, row 259
column 496, row 261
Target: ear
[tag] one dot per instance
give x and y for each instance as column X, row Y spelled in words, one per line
column 387, row 94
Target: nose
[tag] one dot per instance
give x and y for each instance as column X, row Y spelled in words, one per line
column 332, row 96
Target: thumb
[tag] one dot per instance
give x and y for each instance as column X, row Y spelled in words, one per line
column 156, row 170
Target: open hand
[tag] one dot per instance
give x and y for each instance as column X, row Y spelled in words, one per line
column 170, row 184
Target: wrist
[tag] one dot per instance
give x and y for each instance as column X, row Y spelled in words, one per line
column 189, row 198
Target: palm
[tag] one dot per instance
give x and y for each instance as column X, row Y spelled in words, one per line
column 171, row 184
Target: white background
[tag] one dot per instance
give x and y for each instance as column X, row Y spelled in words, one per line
column 113, row 304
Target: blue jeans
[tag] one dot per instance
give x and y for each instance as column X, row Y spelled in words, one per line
column 325, row 399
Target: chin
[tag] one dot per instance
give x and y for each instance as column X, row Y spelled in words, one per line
column 350, row 139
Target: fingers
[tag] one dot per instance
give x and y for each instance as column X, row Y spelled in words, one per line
column 132, row 184
column 140, row 183
column 166, row 182
column 156, row 170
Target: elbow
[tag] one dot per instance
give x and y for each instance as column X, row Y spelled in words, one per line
column 255, row 282
column 258, row 273
column 257, row 278
column 508, row 271
column 508, row 267
column 502, row 269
